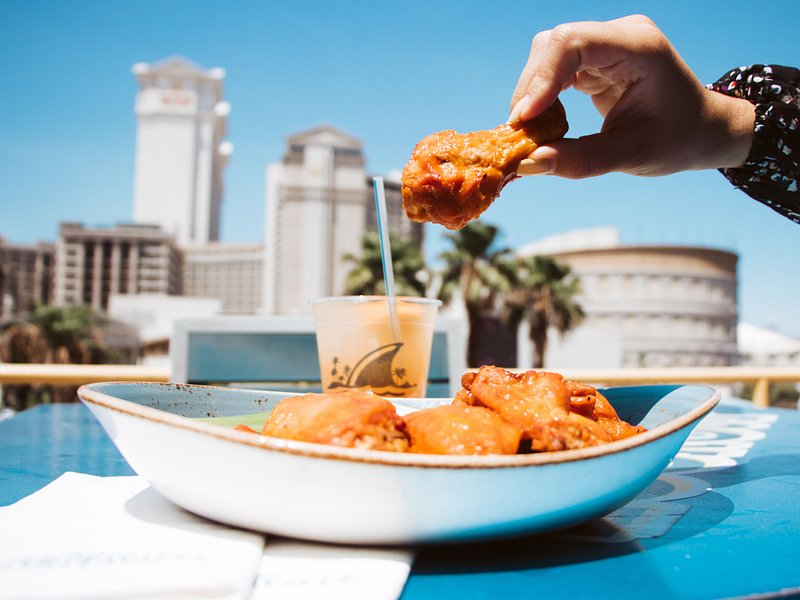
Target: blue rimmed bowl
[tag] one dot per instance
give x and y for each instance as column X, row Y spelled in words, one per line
column 180, row 438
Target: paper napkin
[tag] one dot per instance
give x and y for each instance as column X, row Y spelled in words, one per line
column 115, row 537
column 297, row 571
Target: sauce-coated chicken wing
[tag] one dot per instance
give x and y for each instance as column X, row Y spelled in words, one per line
column 351, row 419
column 551, row 412
column 460, row 429
column 537, row 403
column 452, row 178
column 586, row 401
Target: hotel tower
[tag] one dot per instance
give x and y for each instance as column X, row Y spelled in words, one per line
column 180, row 149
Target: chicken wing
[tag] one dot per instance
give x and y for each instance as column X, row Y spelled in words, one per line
column 536, row 402
column 350, row 419
column 585, row 400
column 609, row 420
column 460, row 429
column 452, row 178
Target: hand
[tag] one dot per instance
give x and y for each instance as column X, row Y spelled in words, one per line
column 658, row 117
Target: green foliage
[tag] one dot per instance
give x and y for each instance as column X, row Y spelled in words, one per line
column 71, row 329
column 366, row 276
column 51, row 334
column 496, row 286
column 545, row 296
column 484, row 274
column 476, row 267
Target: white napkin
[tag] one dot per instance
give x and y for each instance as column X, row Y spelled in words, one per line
column 293, row 570
column 115, row 537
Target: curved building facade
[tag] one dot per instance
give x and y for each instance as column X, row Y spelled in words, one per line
column 649, row 306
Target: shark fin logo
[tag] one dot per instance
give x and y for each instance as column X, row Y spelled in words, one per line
column 375, row 370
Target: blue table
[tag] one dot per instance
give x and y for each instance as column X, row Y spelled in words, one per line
column 722, row 522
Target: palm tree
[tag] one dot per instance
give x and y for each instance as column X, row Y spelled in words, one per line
column 73, row 333
column 483, row 274
column 51, row 334
column 545, row 296
column 366, row 276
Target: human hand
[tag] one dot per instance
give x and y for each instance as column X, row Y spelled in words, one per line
column 658, row 117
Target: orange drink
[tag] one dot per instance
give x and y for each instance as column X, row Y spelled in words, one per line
column 359, row 347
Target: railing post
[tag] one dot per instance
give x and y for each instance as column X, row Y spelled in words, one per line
column 761, row 392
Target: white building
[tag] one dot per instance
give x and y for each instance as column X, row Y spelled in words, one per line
column 153, row 317
column 760, row 346
column 91, row 264
column 180, row 149
column 319, row 204
column 232, row 273
column 645, row 305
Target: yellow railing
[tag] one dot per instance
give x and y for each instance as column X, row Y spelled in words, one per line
column 54, row 374
column 759, row 377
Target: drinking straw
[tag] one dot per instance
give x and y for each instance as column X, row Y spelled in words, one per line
column 386, row 253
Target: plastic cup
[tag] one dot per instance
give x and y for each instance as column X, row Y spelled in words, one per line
column 358, row 348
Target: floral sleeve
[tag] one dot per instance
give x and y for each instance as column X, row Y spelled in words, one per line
column 771, row 173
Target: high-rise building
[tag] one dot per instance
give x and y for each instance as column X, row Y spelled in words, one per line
column 92, row 264
column 26, row 276
column 319, row 205
column 180, row 149
column 231, row 273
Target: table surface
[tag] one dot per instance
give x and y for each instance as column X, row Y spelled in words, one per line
column 722, row 522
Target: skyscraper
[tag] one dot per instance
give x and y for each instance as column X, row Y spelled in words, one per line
column 180, row 149
column 319, row 205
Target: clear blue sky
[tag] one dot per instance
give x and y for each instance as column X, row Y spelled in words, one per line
column 386, row 72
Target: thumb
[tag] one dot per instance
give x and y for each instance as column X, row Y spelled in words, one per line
column 584, row 157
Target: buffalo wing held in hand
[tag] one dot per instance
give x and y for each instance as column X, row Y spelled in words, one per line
column 452, row 178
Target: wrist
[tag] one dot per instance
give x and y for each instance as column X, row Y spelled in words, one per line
column 771, row 172
column 732, row 123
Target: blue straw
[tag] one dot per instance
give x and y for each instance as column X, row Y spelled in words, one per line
column 386, row 253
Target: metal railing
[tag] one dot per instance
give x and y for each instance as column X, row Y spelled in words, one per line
column 760, row 377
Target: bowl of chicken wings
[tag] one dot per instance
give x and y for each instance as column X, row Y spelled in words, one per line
column 512, row 453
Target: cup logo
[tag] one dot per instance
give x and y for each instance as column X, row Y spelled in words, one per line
column 375, row 370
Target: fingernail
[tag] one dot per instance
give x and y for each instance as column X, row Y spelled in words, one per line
column 520, row 106
column 530, row 166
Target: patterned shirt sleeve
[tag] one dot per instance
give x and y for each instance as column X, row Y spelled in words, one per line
column 771, row 173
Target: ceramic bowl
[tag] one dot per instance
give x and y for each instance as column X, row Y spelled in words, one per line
column 179, row 438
